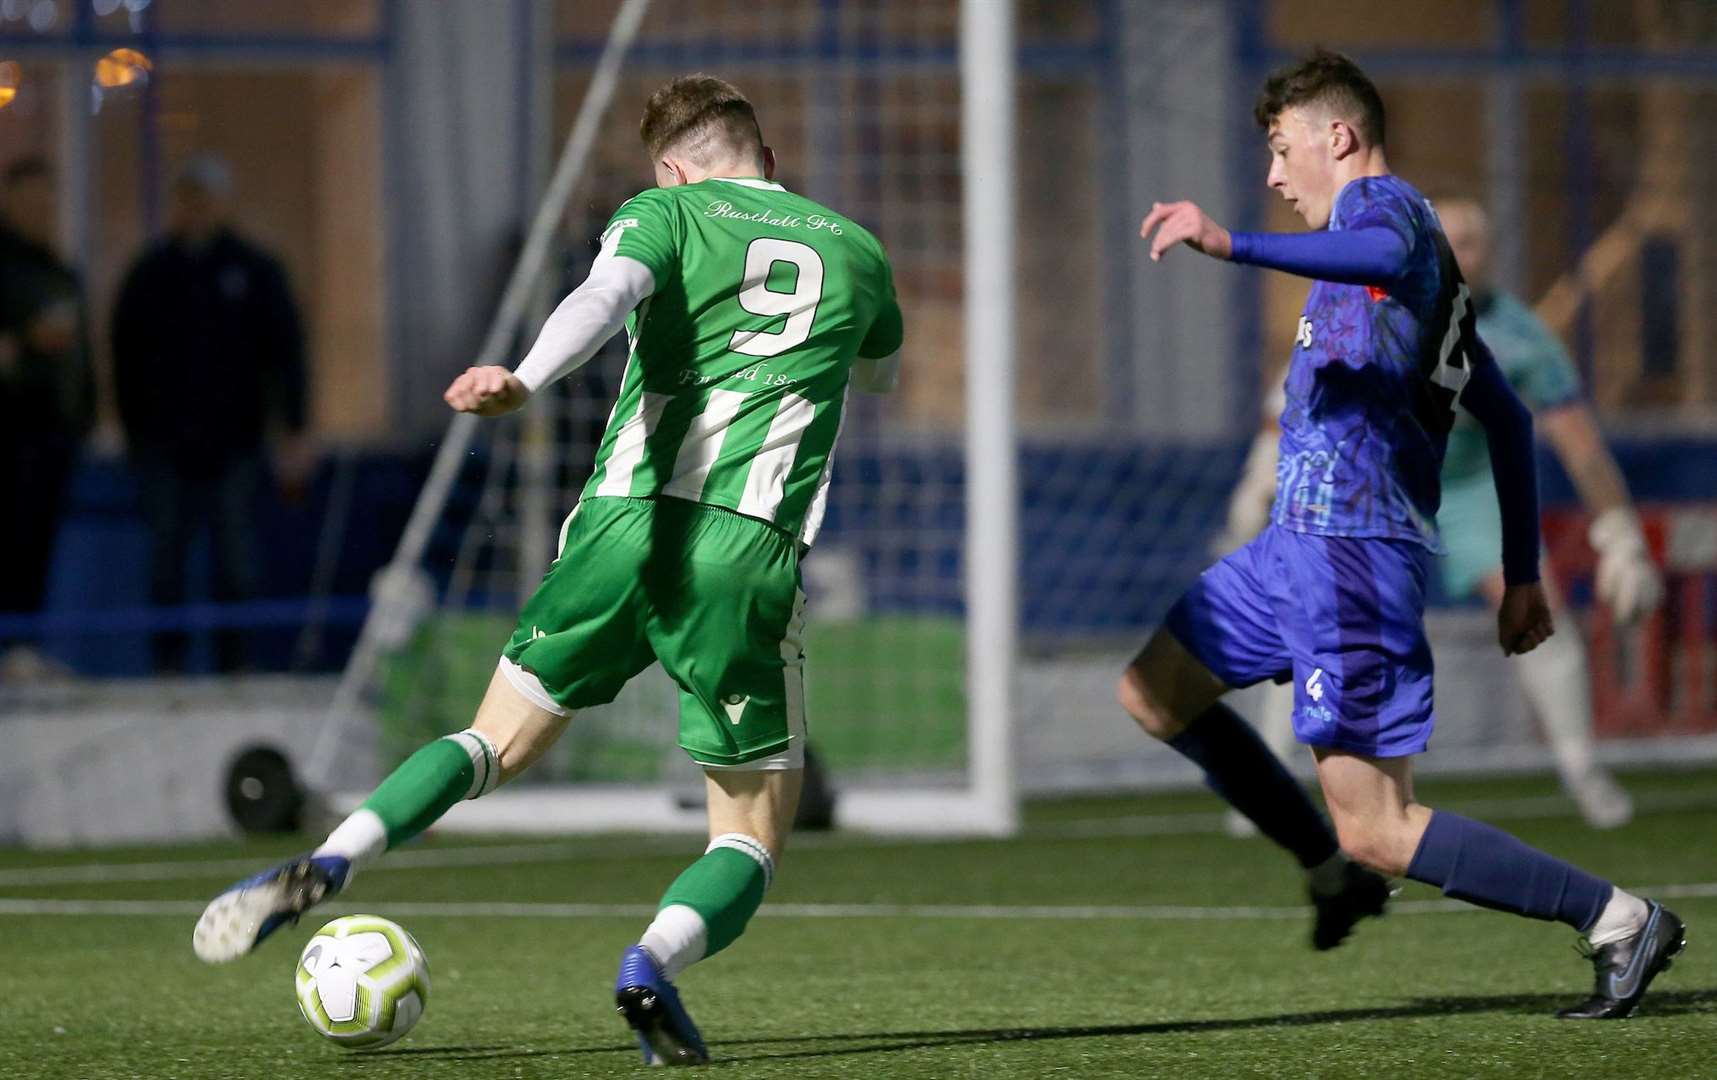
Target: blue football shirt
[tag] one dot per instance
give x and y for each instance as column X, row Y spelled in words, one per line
column 1372, row 381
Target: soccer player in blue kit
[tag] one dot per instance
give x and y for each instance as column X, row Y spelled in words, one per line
column 1331, row 594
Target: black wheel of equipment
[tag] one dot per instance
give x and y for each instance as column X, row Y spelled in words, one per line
column 262, row 794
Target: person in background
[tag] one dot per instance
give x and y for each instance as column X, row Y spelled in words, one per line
column 46, row 397
column 208, row 359
column 1555, row 678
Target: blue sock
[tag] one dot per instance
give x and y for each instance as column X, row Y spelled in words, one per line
column 1240, row 768
column 1483, row 865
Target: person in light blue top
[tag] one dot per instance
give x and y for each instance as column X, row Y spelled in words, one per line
column 1555, row 677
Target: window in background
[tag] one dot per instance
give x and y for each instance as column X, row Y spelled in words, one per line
column 1339, row 24
column 139, row 88
column 893, row 164
column 304, row 147
column 1648, row 25
column 1633, row 193
column 30, row 107
column 709, row 26
column 330, row 18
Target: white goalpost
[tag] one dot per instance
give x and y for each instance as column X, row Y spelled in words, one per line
column 989, row 802
column 970, row 787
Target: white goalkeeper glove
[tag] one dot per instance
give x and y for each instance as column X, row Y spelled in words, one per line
column 1627, row 582
column 1249, row 507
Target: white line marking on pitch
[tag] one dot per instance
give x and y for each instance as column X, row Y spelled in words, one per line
column 592, row 848
column 102, row 873
column 1065, row 912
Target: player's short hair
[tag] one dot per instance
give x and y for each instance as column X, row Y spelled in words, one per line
column 1324, row 78
column 702, row 117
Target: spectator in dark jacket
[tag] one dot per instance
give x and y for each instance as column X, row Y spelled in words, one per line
column 46, row 394
column 208, row 356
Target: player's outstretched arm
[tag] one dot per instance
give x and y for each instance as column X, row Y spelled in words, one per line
column 490, row 390
column 588, row 317
column 1376, row 255
column 1628, row 581
column 1373, row 255
column 1523, row 619
column 1184, row 223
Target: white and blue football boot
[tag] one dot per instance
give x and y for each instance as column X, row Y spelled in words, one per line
column 651, row 1005
column 237, row 920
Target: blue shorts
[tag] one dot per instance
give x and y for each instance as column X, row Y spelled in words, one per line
column 1343, row 617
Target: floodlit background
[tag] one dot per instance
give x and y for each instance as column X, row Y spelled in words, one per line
column 390, row 156
column 1003, row 532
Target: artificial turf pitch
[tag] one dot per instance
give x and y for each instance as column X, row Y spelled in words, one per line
column 1095, row 945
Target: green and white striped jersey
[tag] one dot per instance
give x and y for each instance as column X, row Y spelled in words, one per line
column 737, row 381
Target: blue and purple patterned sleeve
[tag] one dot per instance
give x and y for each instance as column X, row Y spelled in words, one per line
column 1374, row 255
column 1369, row 241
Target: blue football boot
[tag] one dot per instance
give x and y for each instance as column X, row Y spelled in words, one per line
column 649, row 1002
column 237, row 920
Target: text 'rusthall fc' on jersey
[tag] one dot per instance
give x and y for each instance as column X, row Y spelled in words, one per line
column 1372, row 381
column 737, row 381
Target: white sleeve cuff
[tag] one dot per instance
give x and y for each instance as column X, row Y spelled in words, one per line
column 876, row 376
column 586, row 319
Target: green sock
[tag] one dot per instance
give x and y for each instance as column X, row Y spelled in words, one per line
column 725, row 888
column 429, row 782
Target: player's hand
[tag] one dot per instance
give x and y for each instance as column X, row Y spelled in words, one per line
column 1631, row 588
column 1185, row 223
column 1627, row 581
column 1523, row 620
column 487, row 391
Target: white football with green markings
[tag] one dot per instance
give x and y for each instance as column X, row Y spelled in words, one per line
column 362, row 982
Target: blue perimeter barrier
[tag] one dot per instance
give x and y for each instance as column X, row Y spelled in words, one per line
column 1103, row 555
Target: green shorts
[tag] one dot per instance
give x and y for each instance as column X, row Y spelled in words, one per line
column 1471, row 526
column 712, row 594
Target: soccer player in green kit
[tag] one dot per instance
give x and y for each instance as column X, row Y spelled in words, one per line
column 750, row 310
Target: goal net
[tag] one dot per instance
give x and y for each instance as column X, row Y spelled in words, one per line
column 863, row 107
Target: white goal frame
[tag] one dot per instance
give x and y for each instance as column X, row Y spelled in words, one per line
column 987, row 803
